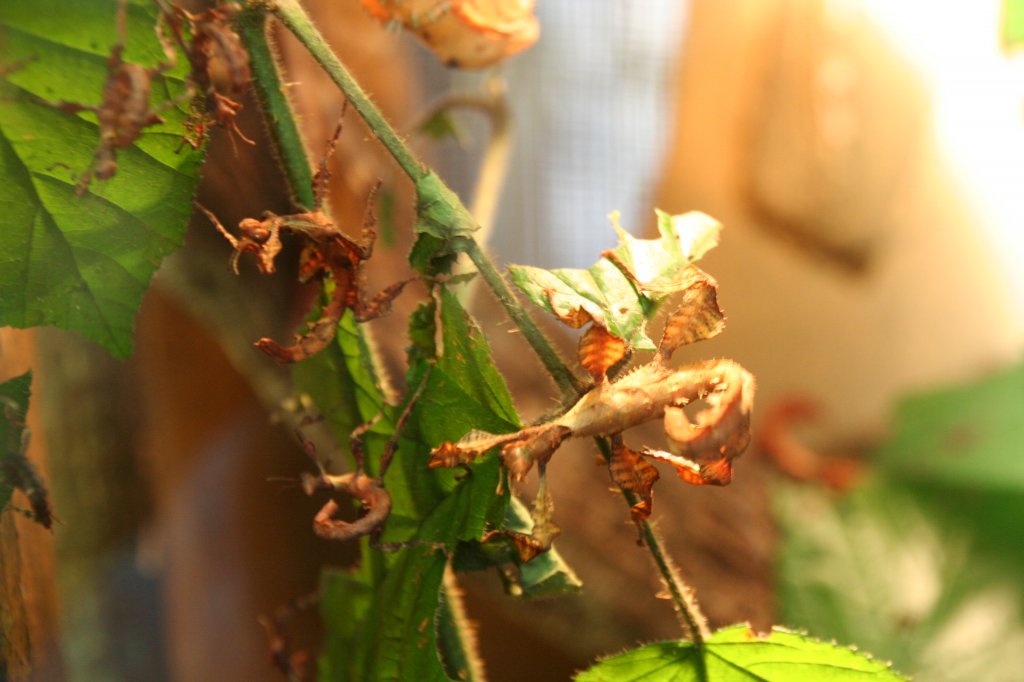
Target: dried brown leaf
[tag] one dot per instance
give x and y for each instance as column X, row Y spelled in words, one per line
column 697, row 318
column 632, row 472
column 600, row 350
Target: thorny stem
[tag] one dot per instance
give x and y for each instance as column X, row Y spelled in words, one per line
column 298, row 22
column 277, row 110
column 295, row 18
column 568, row 383
column 682, row 594
column 493, row 104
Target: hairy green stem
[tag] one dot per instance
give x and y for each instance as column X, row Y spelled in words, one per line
column 568, row 383
column 280, row 120
column 298, row 22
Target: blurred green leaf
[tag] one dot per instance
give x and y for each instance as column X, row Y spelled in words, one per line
column 879, row 569
column 736, row 654
column 958, row 450
column 82, row 263
column 440, row 126
column 922, row 565
column 968, row 436
column 382, row 627
column 1013, row 24
column 621, row 291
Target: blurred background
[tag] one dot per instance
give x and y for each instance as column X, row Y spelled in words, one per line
column 866, row 159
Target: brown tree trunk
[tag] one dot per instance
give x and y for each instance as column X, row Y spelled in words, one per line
column 29, row 629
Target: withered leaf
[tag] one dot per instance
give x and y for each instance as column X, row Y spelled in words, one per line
column 632, row 472
column 621, row 291
column 599, row 351
column 717, row 472
column 697, row 318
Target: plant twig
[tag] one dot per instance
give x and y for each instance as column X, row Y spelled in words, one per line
column 298, row 22
column 284, row 132
column 276, row 108
column 682, row 595
column 568, row 383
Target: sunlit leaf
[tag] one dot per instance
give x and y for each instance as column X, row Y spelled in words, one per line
column 601, row 294
column 1013, row 24
column 622, row 290
column 736, row 654
column 658, row 266
column 82, row 263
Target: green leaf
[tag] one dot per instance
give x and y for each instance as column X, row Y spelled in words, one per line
column 922, row 564
column 442, row 226
column 547, row 575
column 14, row 395
column 966, row 437
column 464, row 391
column 958, row 451
column 1013, row 24
column 735, row 654
column 603, row 292
column 622, row 290
column 384, row 628
column 83, row 263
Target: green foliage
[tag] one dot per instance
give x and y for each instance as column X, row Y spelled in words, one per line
column 442, row 226
column 735, row 654
column 386, row 611
column 622, row 289
column 82, row 263
column 14, row 395
column 1013, row 24
column 386, row 623
column 922, row 564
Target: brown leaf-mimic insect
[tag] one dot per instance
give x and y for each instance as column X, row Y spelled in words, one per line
column 702, row 451
column 125, row 111
column 220, row 66
column 365, row 488
column 327, row 252
column 778, row 441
